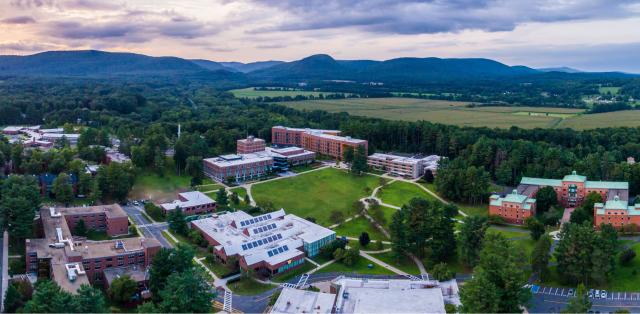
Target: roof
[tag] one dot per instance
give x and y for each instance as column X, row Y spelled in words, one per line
column 574, row 177
column 307, row 129
column 137, row 273
column 513, row 197
column 303, row 301
column 193, row 198
column 389, row 296
column 430, row 161
column 540, row 181
column 241, row 159
column 606, row 185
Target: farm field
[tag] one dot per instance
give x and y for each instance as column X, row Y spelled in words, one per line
column 457, row 113
column 316, row 194
column 400, row 193
column 249, row 92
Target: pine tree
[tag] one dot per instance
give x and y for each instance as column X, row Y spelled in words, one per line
column 579, row 303
column 364, row 239
column 397, row 229
column 540, row 257
column 472, row 231
column 221, row 198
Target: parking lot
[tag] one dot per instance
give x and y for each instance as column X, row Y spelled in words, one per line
column 564, row 292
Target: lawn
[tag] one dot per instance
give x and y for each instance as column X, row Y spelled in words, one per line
column 478, row 210
column 208, row 187
column 360, row 267
column 303, row 168
column 405, row 264
column 626, row 278
column 388, row 214
column 316, row 194
column 356, row 226
column 250, row 92
column 159, row 188
column 288, row 275
column 509, row 234
column 241, row 192
column 400, row 193
column 249, row 287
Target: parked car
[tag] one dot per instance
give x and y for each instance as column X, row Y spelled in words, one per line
column 603, row 294
column 570, row 292
column 591, row 293
column 597, row 295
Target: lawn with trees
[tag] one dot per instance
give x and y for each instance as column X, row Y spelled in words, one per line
column 315, row 194
column 400, row 193
column 356, row 226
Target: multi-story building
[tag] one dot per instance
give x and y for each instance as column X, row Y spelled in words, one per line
column 72, row 261
column 250, row 145
column 270, row 244
column 34, row 136
column 191, row 203
column 323, row 142
column 412, row 167
column 237, row 167
column 571, row 191
column 285, row 157
column 616, row 212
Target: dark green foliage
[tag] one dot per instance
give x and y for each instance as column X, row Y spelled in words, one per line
column 114, row 181
column 540, row 257
column 459, row 181
column 222, row 199
column 580, row 303
column 50, row 298
column 428, row 176
column 472, row 232
column 546, row 198
column 328, row 250
column 442, row 272
column 167, row 262
column 364, row 239
column 359, row 164
column 122, row 289
column 177, row 221
column 336, row 216
column 585, row 212
column 80, row 229
column 19, row 202
column 627, row 256
column 186, row 292
column 535, row 227
column 154, row 211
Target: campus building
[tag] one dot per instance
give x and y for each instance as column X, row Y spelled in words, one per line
column 270, row 244
column 250, row 145
column 72, row 261
column 191, row 203
column 237, row 167
column 285, row 157
column 34, row 136
column 616, row 212
column 570, row 190
column 323, row 142
column 412, row 167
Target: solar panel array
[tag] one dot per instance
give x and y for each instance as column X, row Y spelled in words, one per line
column 254, row 220
column 263, row 241
column 278, row 250
column 264, row 228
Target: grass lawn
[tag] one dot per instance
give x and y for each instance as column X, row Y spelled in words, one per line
column 249, row 287
column 626, row 278
column 478, row 210
column 149, row 185
column 509, row 234
column 316, row 194
column 240, row 190
column 405, row 264
column 286, row 276
column 303, row 168
column 320, row 260
column 400, row 193
column 388, row 214
column 356, row 226
column 360, row 267
column 208, row 187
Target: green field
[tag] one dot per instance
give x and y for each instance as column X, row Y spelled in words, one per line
column 250, row 92
column 458, row 113
column 400, row 193
column 360, row 267
column 405, row 264
column 609, row 89
column 315, row 194
column 159, row 188
column 357, row 226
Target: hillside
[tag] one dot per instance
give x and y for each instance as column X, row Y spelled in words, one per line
column 249, row 67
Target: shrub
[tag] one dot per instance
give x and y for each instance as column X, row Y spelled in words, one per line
column 364, row 239
column 496, row 220
column 153, row 211
column 627, row 256
column 336, row 217
column 441, row 272
column 450, row 308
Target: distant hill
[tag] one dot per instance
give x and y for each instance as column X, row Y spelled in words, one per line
column 249, row 67
column 324, row 67
column 560, row 69
column 211, row 65
column 92, row 63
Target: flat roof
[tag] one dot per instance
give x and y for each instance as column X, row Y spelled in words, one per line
column 305, row 129
column 193, row 198
column 540, row 181
column 410, row 160
column 235, row 160
column 303, row 301
column 389, row 296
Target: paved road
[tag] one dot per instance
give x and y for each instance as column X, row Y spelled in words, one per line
column 149, row 229
column 554, row 300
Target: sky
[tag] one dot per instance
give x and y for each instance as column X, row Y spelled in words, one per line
column 596, row 35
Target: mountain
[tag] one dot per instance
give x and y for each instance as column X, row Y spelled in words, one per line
column 560, row 69
column 211, row 65
column 92, row 63
column 417, row 70
column 249, row 67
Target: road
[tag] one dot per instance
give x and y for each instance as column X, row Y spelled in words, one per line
column 149, row 229
column 554, row 300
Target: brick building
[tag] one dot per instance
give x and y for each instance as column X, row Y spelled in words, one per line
column 513, row 207
column 191, row 203
column 237, row 167
column 72, row 261
column 270, row 244
column 250, row 145
column 616, row 212
column 323, row 142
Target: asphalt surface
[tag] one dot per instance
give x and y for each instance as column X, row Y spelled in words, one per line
column 150, row 230
column 554, row 300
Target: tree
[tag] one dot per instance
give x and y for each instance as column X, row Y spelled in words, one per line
column 546, row 198
column 247, row 200
column 177, row 221
column 580, row 303
column 80, row 229
column 398, row 232
column 148, row 307
column 122, row 289
column 441, row 272
column 364, row 239
column 540, row 257
column 62, row 189
column 336, row 216
column 12, row 299
column 85, row 184
column 497, row 284
column 359, row 164
column 585, row 212
column 235, row 200
column 49, row 298
column 194, row 167
column 472, row 231
column 351, row 256
column 428, row 176
column 19, row 202
column 535, row 227
column 89, row 300
column 222, row 198
column 627, row 256
column 167, row 262
column 114, row 181
column 348, row 154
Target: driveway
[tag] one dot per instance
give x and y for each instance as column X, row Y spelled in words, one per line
column 148, row 229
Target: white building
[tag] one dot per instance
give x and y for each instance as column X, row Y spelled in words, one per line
column 294, row 301
column 413, row 167
column 191, row 203
column 273, row 242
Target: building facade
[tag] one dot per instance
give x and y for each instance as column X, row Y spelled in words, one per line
column 514, row 208
column 72, row 261
column 191, row 203
column 616, row 212
column 324, row 142
column 270, row 244
column 250, row 145
column 411, row 167
column 237, row 167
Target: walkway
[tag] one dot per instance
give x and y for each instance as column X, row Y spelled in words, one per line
column 383, row 264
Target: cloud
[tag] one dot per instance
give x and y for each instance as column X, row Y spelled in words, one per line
column 68, row 4
column 18, row 20
column 22, row 46
column 435, row 16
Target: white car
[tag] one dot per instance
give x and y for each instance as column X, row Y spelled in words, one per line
column 603, row 294
column 597, row 295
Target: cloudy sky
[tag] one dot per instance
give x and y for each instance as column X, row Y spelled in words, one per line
column 594, row 35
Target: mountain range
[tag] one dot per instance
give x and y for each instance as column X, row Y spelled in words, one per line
column 92, row 63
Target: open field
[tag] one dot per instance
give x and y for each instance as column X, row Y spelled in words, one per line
column 159, row 189
column 610, row 89
column 357, row 226
column 360, row 267
column 251, row 93
column 316, row 194
column 400, row 193
column 405, row 264
column 457, row 113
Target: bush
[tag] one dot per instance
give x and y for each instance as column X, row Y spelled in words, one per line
column 450, row 308
column 496, row 220
column 336, row 217
column 441, row 272
column 153, row 211
column 627, row 256
column 328, row 250
column 17, row 266
column 364, row 239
